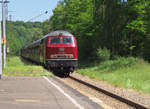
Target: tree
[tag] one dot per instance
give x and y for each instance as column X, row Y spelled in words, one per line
column 22, row 33
column 147, row 39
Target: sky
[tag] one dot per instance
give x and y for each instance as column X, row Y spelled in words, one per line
column 27, row 9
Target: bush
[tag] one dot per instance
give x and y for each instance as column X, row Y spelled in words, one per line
column 103, row 54
column 119, row 63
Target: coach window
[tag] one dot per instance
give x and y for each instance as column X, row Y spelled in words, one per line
column 55, row 40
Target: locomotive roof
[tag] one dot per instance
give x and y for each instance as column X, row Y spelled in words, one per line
column 59, row 33
column 54, row 33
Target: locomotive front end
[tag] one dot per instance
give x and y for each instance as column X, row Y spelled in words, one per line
column 62, row 52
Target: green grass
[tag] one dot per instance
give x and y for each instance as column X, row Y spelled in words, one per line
column 17, row 67
column 129, row 73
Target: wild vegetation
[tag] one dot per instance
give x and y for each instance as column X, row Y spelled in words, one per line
column 120, row 26
column 113, row 38
column 20, row 33
column 23, row 68
column 132, row 73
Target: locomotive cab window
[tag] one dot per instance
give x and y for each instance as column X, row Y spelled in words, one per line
column 55, row 40
column 67, row 40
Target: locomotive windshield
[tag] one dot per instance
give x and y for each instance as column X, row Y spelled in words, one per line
column 55, row 40
column 67, row 40
column 64, row 40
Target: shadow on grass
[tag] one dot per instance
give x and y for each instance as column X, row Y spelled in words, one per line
column 27, row 62
column 87, row 64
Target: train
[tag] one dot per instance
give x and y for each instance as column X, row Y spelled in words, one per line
column 56, row 51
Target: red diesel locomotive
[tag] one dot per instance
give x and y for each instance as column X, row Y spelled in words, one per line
column 56, row 50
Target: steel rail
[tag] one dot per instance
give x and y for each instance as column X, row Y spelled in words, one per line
column 119, row 98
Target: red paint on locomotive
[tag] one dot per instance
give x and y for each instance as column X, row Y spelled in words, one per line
column 61, row 49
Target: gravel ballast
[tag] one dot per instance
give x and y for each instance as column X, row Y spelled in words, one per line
column 138, row 97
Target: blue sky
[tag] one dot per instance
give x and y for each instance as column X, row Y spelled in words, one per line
column 27, row 9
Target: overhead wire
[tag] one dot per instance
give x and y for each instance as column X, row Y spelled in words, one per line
column 37, row 16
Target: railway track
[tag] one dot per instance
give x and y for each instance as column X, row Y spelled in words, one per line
column 112, row 95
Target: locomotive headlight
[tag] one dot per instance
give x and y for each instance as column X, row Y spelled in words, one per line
column 70, row 56
column 52, row 56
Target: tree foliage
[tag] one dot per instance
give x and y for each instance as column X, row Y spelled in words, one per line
column 20, row 33
column 120, row 26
